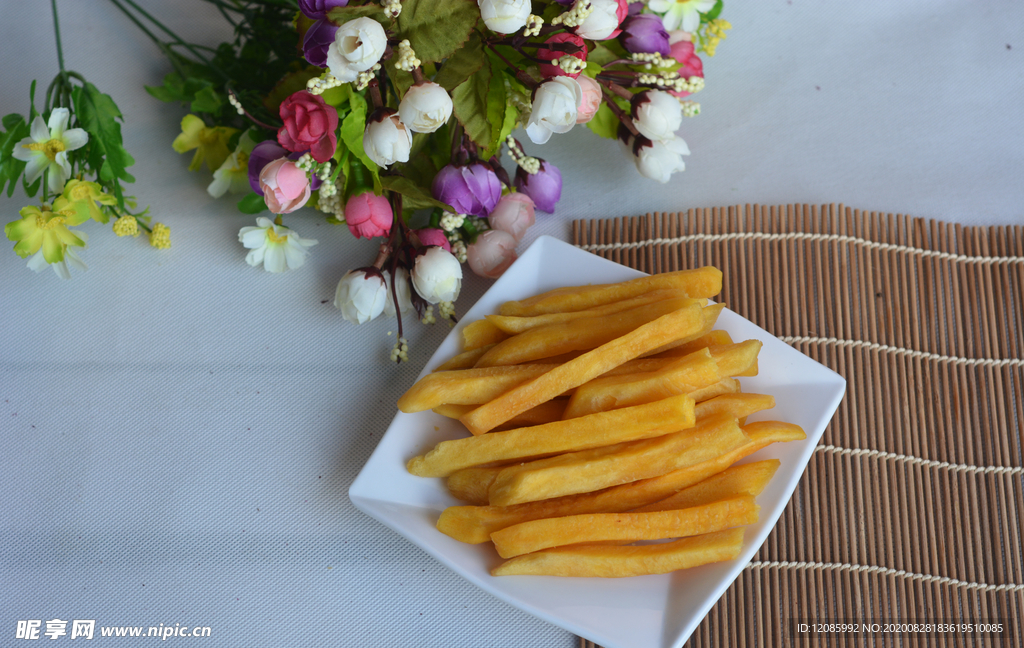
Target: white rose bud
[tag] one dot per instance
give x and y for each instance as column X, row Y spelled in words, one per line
column 360, row 296
column 386, row 139
column 425, row 107
column 402, row 289
column 554, row 108
column 437, row 276
column 657, row 114
column 602, row 22
column 659, row 160
column 505, row 16
column 358, row 45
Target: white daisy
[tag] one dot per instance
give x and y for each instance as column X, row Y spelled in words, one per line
column 681, row 14
column 46, row 148
column 275, row 246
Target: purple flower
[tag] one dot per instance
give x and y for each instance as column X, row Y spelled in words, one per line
column 318, row 38
column 473, row 189
column 317, row 9
column 644, row 33
column 544, row 187
column 263, row 154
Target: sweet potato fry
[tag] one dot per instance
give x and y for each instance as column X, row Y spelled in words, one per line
column 581, row 334
column 617, row 562
column 466, row 386
column 748, row 479
column 481, row 333
column 602, row 527
column 514, row 325
column 681, row 376
column 699, row 283
column 599, row 468
column 596, row 430
column 588, row 366
column 475, row 524
column 711, row 314
column 464, row 360
column 544, row 413
column 736, row 359
column 714, row 338
column 734, row 405
column 723, row 386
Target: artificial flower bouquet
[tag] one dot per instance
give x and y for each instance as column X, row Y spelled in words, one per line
column 391, row 117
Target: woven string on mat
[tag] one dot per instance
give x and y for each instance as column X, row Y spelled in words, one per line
column 910, row 508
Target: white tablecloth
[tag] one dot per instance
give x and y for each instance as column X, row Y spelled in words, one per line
column 179, row 430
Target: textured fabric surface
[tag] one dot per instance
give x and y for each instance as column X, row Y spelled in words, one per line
column 179, row 430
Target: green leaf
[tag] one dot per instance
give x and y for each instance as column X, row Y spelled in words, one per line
column 12, row 121
column 341, row 15
column 400, row 80
column 252, row 203
column 413, row 196
column 714, row 13
column 173, row 89
column 98, row 114
column 11, row 169
column 352, row 128
column 461, row 65
column 207, row 100
column 602, row 55
column 436, row 29
column 508, row 125
column 479, row 105
column 604, row 123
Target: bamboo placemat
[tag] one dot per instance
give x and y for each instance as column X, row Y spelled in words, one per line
column 910, row 509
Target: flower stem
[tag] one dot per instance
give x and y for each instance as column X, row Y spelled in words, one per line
column 521, row 76
column 626, row 121
column 60, row 49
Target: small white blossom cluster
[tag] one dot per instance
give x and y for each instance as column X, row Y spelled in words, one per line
column 690, row 108
column 428, row 315
column 652, row 59
column 318, row 85
column 672, row 81
column 406, row 57
column 533, row 25
column 459, row 250
column 305, row 162
column 400, row 352
column 529, row 164
column 330, row 199
column 446, row 309
column 451, row 221
column 392, row 8
column 575, row 16
column 233, row 100
column 571, row 65
column 325, row 172
column 363, row 78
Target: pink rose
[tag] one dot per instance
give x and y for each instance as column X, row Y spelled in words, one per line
column 551, row 70
column 513, row 214
column 432, row 236
column 692, row 66
column 368, row 215
column 285, row 186
column 309, row 124
column 591, row 100
column 492, row 253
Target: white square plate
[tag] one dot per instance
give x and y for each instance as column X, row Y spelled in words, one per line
column 640, row 612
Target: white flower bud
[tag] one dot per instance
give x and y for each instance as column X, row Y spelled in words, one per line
column 657, row 114
column 505, row 16
column 360, row 297
column 437, row 276
column 402, row 289
column 603, row 21
column 425, row 107
column 386, row 139
column 658, row 160
column 554, row 108
column 358, row 45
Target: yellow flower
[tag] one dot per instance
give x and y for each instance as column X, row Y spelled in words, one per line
column 46, row 228
column 211, row 144
column 160, row 237
column 714, row 34
column 84, row 196
column 233, row 174
column 126, row 226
